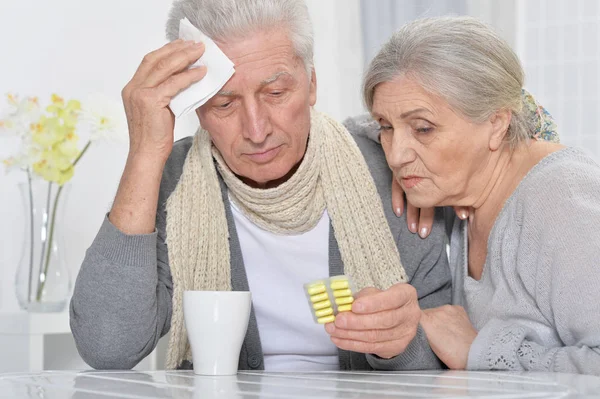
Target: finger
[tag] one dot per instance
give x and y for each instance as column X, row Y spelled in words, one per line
column 176, row 83
column 375, row 321
column 376, row 335
column 383, row 349
column 397, row 198
column 172, row 64
column 426, row 221
column 412, row 217
column 394, row 297
column 151, row 58
column 462, row 212
column 367, row 292
column 441, row 309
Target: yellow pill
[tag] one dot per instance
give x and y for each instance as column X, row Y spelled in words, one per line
column 344, row 301
column 326, row 319
column 339, row 285
column 345, row 308
column 341, row 293
column 318, row 297
column 324, row 312
column 322, row 305
column 316, row 289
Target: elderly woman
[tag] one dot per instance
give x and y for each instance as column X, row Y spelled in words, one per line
column 456, row 126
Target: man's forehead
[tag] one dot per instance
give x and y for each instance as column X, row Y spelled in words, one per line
column 260, row 58
column 258, row 81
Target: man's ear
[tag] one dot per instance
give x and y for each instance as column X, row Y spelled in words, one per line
column 313, row 87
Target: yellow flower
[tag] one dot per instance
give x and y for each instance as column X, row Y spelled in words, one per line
column 36, row 128
column 12, row 99
column 49, row 139
column 68, row 148
column 54, row 136
column 68, row 113
column 57, row 100
column 54, row 166
column 47, row 132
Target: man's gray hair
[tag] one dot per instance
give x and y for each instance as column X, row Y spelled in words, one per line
column 223, row 20
column 462, row 60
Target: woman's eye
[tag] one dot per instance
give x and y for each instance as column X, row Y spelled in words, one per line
column 423, row 130
column 224, row 106
column 385, row 128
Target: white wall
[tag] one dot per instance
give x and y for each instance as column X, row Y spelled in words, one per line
column 559, row 46
column 501, row 15
column 77, row 48
column 338, row 56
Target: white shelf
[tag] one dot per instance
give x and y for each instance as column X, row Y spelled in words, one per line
column 19, row 323
column 25, row 345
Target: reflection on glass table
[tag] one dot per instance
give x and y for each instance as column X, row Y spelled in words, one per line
column 186, row 385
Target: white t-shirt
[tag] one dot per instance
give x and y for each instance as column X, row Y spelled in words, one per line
column 277, row 266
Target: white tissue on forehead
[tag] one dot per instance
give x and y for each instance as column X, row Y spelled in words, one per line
column 219, row 70
column 187, row 31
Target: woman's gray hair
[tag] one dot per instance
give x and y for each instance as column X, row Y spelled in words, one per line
column 462, row 60
column 223, row 20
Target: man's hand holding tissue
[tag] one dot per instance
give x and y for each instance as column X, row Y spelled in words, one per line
column 161, row 75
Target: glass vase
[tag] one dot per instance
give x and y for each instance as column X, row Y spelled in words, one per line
column 42, row 281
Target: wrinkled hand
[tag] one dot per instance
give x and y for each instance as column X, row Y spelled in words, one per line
column 161, row 75
column 382, row 323
column 418, row 220
column 450, row 334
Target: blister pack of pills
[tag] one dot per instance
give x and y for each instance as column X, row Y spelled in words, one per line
column 328, row 297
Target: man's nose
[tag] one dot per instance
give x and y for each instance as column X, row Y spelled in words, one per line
column 257, row 124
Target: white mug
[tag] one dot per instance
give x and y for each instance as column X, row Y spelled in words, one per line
column 216, row 323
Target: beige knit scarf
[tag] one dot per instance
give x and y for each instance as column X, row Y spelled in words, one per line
column 333, row 175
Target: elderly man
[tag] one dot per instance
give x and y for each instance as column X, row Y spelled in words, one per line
column 268, row 195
